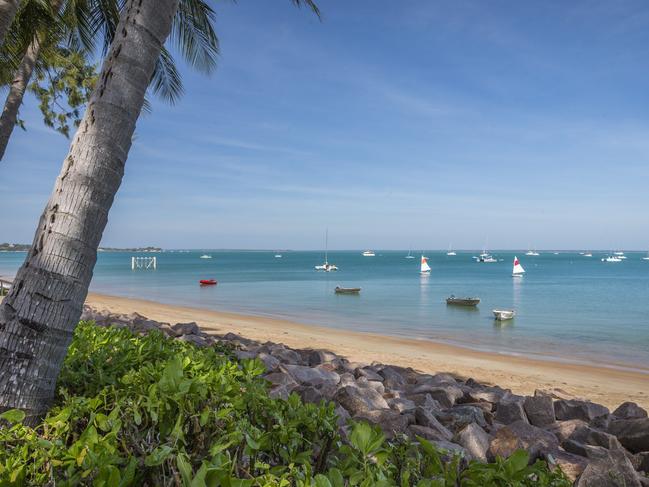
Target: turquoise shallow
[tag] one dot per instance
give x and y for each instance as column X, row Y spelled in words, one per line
column 568, row 306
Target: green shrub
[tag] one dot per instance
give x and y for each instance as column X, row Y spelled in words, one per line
column 151, row 411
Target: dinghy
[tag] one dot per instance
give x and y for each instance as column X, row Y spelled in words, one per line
column 518, row 270
column 347, row 290
column 425, row 268
column 207, row 282
column 503, row 314
column 462, row 301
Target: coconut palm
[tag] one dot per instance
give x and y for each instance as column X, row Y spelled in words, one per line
column 47, row 25
column 38, row 316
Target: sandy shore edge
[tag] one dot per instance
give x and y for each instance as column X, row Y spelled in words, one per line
column 603, row 385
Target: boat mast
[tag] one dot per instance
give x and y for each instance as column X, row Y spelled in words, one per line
column 327, row 246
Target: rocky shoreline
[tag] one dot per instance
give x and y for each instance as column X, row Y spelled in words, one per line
column 592, row 445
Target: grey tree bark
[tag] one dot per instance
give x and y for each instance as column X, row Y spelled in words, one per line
column 8, row 9
column 16, row 94
column 39, row 315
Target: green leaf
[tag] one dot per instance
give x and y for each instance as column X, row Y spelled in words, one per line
column 158, row 456
column 518, row 460
column 13, row 416
column 322, row 481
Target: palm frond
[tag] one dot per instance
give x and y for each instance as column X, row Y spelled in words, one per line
column 166, row 81
column 193, row 34
column 310, row 4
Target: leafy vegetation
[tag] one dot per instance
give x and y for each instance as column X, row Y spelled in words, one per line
column 135, row 410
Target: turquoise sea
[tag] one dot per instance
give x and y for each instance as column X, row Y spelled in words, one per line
column 568, row 306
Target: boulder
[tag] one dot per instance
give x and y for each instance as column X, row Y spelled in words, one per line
column 461, row 415
column 346, row 379
column 377, row 386
column 358, row 400
column 309, row 394
column 311, row 376
column 571, row 465
column 426, row 433
column 425, row 400
column 196, row 340
column 593, row 437
column 474, row 439
column 190, row 328
column 510, row 410
column 318, row 357
column 577, row 409
column 391, row 422
column 446, row 396
column 281, row 379
column 611, row 469
column 368, row 373
column 342, row 415
column 642, row 462
column 491, row 395
column 564, row 429
column 632, row 433
column 245, row 355
column 522, row 435
column 401, row 404
column 539, row 410
column 271, row 363
column 629, row 410
column 392, row 379
column 285, row 355
column 425, row 417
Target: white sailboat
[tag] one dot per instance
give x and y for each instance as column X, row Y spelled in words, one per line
column 518, row 270
column 647, row 257
column 410, row 256
column 327, row 267
column 587, row 254
column 451, row 252
column 532, row 253
column 425, row 268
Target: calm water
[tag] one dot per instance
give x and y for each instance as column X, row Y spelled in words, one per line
column 568, row 306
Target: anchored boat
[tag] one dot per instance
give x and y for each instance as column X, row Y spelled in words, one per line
column 462, row 301
column 503, row 314
column 347, row 290
column 207, row 282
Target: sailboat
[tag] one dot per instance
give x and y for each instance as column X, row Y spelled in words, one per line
column 647, row 257
column 450, row 251
column 532, row 253
column 327, row 267
column 425, row 268
column 410, row 256
column 518, row 270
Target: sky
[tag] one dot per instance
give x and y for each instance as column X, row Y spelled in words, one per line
column 418, row 124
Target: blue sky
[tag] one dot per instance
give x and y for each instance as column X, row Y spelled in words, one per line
column 393, row 124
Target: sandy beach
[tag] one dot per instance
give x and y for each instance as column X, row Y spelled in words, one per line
column 605, row 385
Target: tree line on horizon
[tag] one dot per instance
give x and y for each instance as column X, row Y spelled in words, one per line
column 49, row 48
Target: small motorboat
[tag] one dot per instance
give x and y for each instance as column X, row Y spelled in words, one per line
column 205, row 256
column 503, row 314
column 207, row 282
column 347, row 290
column 462, row 301
column 369, row 253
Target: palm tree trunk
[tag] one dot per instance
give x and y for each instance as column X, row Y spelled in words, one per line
column 8, row 10
column 39, row 315
column 16, row 94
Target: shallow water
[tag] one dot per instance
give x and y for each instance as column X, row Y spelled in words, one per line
column 568, row 306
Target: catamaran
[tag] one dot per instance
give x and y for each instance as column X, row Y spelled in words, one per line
column 451, row 252
column 410, row 256
column 425, row 268
column 327, row 267
column 518, row 270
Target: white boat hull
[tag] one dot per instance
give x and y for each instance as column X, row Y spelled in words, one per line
column 503, row 314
